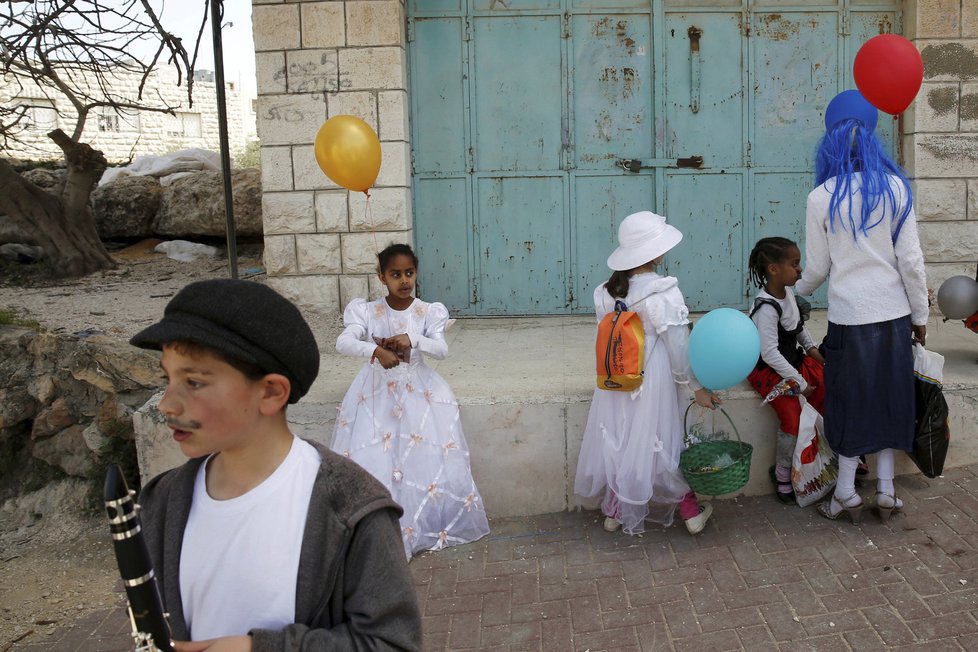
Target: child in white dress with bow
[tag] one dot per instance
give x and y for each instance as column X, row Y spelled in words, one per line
column 632, row 441
column 400, row 420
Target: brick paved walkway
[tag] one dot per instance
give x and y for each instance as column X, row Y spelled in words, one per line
column 760, row 577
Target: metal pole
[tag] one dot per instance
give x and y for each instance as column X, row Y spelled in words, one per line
column 217, row 11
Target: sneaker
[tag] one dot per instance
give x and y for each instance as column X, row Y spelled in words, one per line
column 611, row 524
column 696, row 524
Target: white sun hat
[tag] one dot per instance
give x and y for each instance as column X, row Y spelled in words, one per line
column 642, row 237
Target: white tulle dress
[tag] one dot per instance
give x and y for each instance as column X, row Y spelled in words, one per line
column 632, row 440
column 402, row 425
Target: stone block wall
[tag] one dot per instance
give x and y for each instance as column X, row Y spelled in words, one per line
column 940, row 134
column 316, row 60
column 139, row 133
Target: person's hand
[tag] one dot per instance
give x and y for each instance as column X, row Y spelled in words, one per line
column 919, row 334
column 224, row 644
column 387, row 358
column 706, row 398
column 816, row 355
column 808, row 391
column 398, row 343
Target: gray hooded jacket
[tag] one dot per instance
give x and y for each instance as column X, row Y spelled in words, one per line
column 354, row 590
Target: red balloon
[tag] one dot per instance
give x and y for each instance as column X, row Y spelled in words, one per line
column 888, row 71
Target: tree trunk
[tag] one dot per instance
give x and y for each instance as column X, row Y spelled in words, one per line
column 64, row 226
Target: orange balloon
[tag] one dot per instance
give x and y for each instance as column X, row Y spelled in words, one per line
column 348, row 152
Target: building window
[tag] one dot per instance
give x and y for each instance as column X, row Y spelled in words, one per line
column 186, row 125
column 115, row 120
column 108, row 122
column 38, row 113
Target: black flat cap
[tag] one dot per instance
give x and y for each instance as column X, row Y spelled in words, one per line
column 243, row 320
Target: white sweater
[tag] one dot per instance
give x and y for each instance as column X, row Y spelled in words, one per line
column 871, row 279
column 766, row 320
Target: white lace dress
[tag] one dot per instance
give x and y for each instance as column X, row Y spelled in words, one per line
column 402, row 425
column 632, row 440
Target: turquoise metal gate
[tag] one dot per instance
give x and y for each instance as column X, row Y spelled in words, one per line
column 537, row 125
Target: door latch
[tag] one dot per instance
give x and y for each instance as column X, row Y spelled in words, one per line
column 634, row 165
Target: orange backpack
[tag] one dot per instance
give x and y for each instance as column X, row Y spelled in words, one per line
column 620, row 349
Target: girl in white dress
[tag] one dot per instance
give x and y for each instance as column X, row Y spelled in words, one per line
column 632, row 440
column 399, row 420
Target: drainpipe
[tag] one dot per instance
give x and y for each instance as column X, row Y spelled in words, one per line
column 217, row 14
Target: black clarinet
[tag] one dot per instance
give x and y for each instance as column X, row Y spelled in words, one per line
column 150, row 629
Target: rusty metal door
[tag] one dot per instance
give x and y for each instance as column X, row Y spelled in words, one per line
column 537, row 125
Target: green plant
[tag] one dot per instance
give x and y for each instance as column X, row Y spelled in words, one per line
column 119, row 448
column 9, row 317
column 250, row 156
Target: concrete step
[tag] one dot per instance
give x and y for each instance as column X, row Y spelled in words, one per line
column 525, row 385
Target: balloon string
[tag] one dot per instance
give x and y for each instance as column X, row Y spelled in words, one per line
column 367, row 220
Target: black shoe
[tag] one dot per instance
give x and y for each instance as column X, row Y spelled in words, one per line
column 784, row 497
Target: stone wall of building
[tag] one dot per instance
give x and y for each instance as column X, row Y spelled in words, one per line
column 316, row 60
column 121, row 136
column 940, row 134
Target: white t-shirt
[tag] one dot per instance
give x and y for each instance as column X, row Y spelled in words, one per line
column 240, row 557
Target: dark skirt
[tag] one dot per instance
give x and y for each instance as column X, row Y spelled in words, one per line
column 869, row 394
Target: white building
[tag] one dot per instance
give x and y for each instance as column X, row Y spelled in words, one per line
column 123, row 134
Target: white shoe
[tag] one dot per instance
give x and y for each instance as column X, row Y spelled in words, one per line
column 696, row 524
column 611, row 524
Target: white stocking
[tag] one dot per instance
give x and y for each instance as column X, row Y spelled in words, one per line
column 885, row 467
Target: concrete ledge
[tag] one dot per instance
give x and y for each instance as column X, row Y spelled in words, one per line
column 525, row 386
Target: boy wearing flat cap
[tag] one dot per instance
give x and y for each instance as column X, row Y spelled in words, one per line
column 264, row 541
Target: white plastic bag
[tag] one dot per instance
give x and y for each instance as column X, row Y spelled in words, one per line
column 814, row 467
column 184, row 251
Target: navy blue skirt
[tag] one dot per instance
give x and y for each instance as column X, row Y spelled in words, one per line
column 869, row 393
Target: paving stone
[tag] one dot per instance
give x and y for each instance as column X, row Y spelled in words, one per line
column 716, row 641
column 607, row 640
column 802, row 599
column 889, row 626
column 681, row 620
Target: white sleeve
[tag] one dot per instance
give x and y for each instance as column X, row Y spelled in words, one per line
column 817, row 261
column 766, row 320
column 352, row 340
column 910, row 263
column 805, row 339
column 666, row 309
column 676, row 341
column 432, row 340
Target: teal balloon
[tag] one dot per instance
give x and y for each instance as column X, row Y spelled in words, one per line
column 723, row 348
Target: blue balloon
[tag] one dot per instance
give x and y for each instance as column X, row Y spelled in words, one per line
column 723, row 348
column 851, row 104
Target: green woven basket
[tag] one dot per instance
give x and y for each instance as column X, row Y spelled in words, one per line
column 698, row 462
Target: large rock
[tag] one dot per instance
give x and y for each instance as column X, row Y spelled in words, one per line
column 51, row 180
column 126, row 207
column 67, row 400
column 194, row 205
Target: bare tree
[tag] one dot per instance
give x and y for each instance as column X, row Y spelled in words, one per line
column 77, row 49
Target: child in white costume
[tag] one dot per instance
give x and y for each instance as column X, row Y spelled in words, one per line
column 632, row 440
column 399, row 420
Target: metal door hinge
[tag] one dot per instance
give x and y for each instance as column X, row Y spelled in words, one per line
column 468, row 30
column 410, row 30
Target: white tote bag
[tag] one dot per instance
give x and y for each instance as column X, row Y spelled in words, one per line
column 814, row 467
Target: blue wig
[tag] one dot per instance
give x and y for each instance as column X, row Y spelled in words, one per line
column 849, row 147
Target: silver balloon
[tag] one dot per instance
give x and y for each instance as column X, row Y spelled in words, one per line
column 958, row 297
